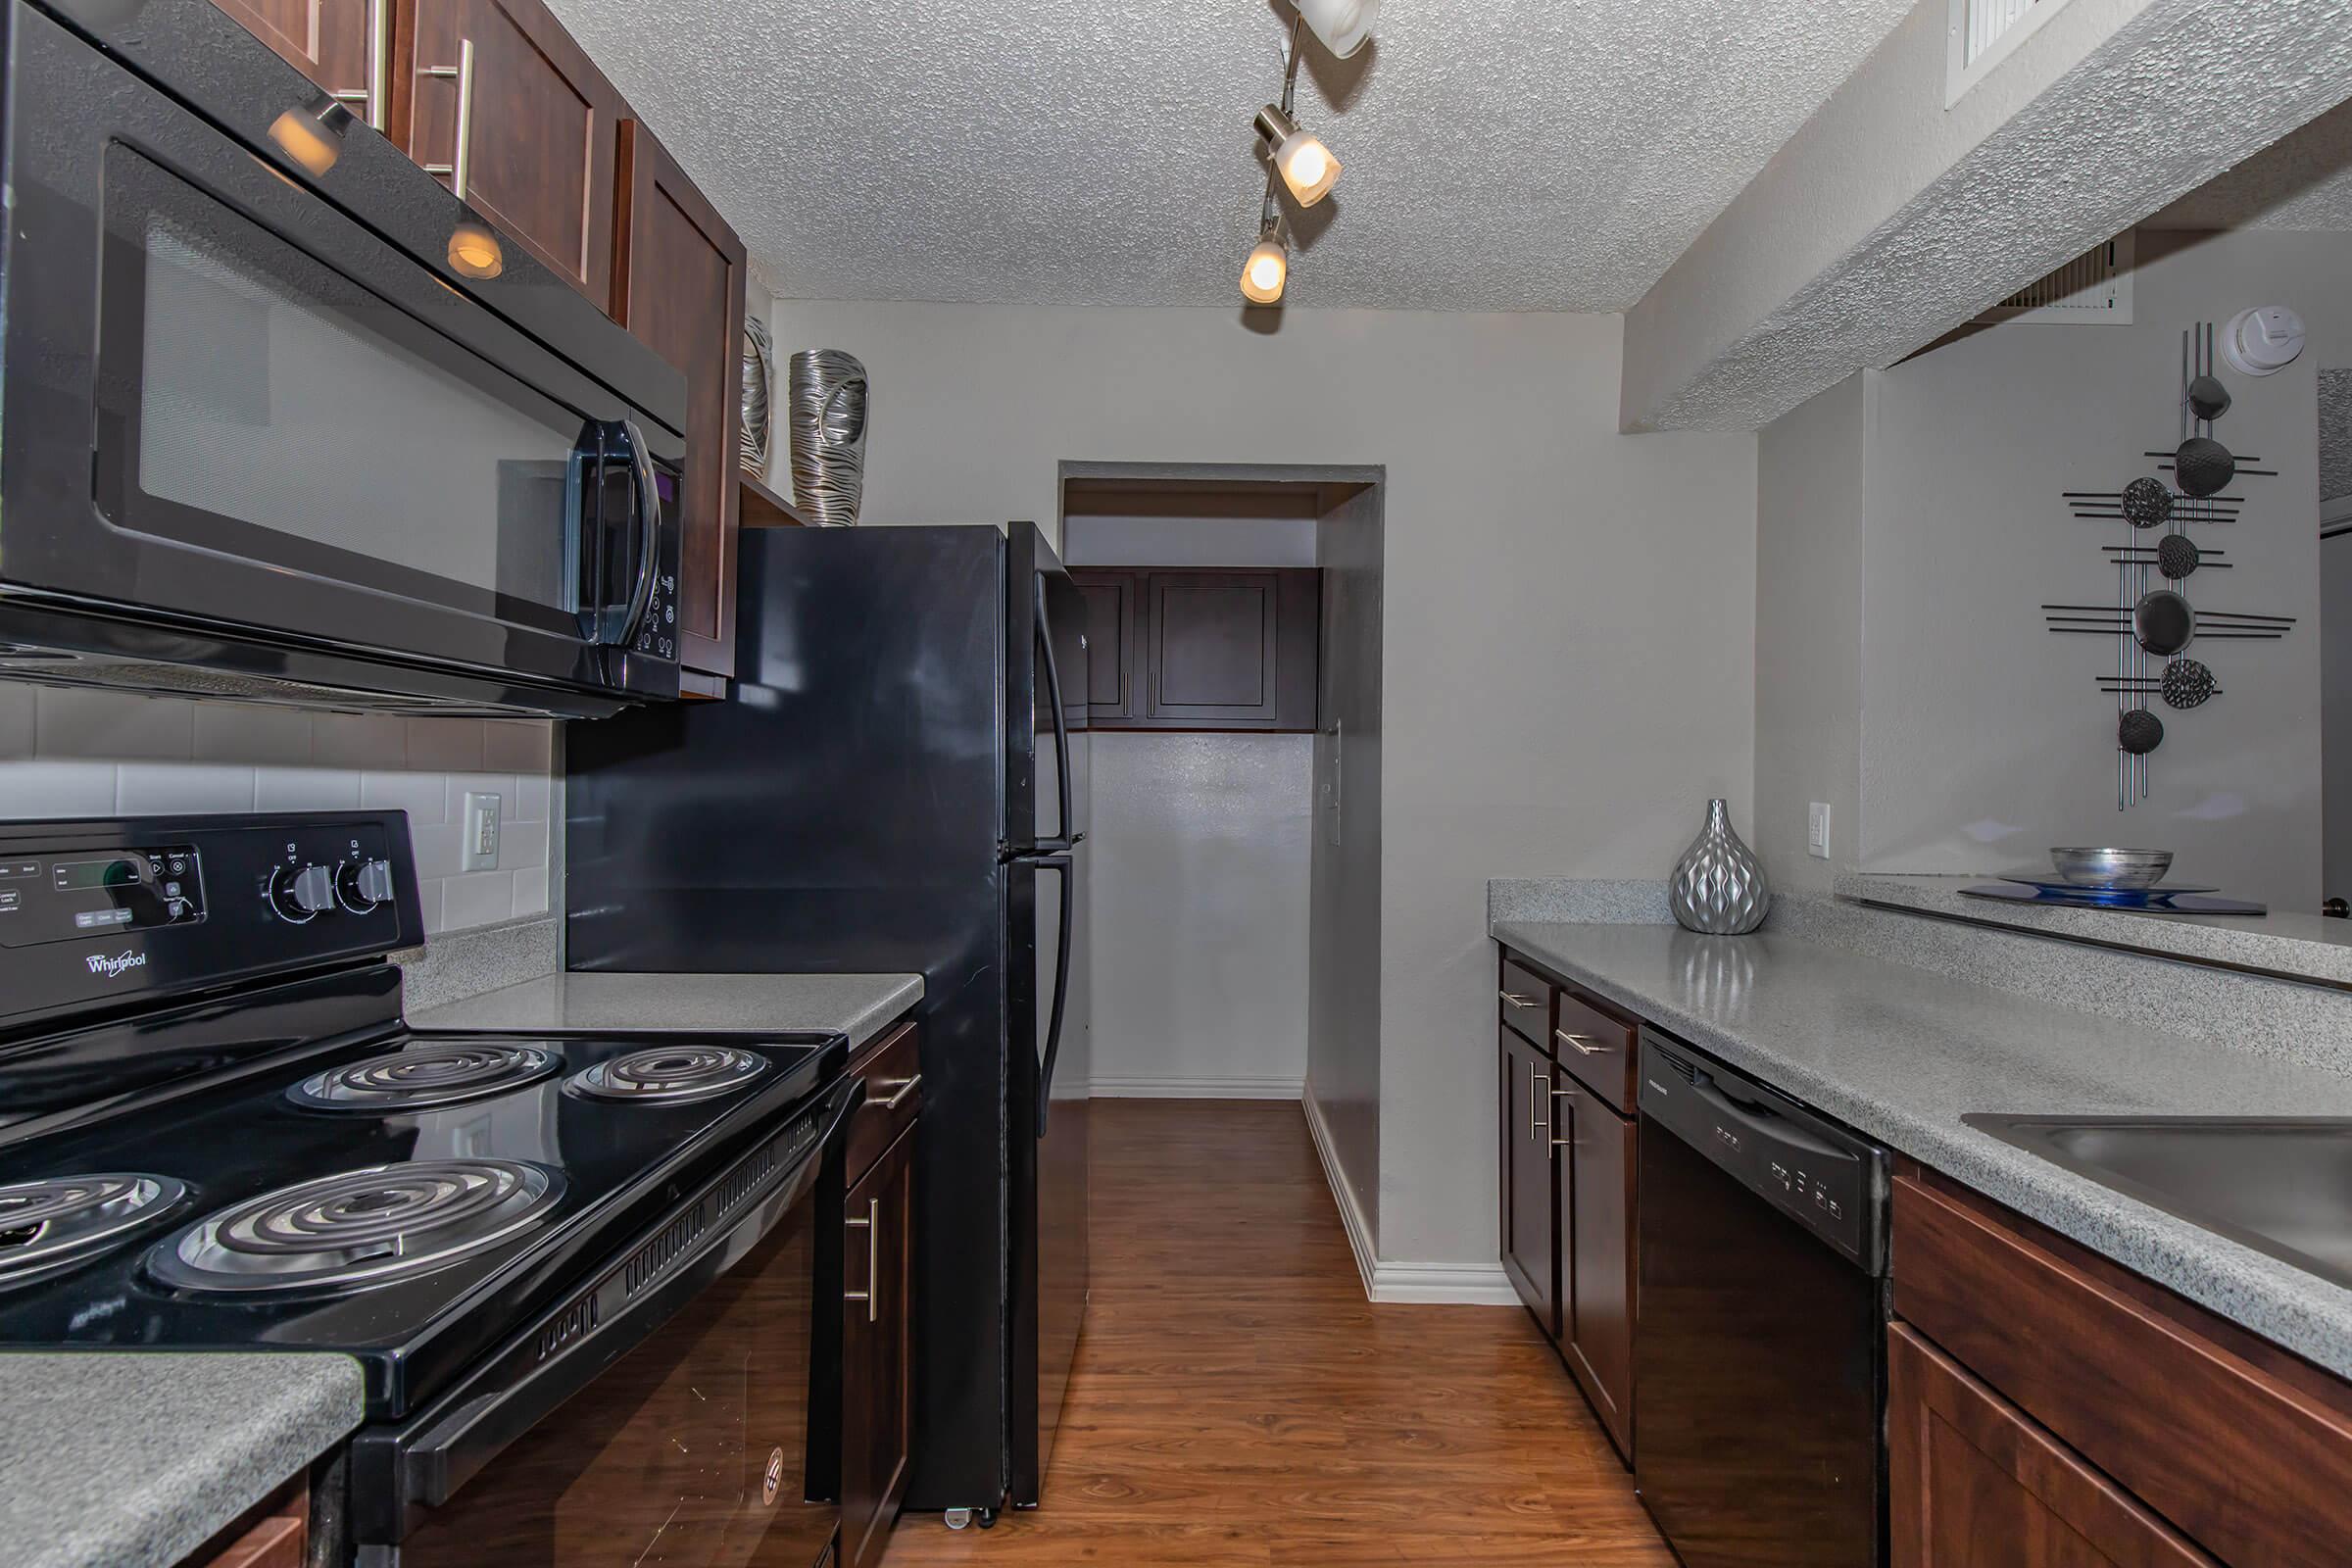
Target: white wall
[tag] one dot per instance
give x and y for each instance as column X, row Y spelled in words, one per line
column 1809, row 544
column 86, row 754
column 1985, row 736
column 1200, row 923
column 1570, row 612
column 1343, row 1008
column 1979, row 737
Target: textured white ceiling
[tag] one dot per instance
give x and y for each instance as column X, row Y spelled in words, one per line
column 2302, row 180
column 1527, row 155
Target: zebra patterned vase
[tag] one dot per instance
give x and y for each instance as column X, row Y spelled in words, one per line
column 827, row 415
column 1718, row 885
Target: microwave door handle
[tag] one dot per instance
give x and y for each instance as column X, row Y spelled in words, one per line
column 644, row 496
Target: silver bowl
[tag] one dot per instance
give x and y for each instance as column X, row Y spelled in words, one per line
column 2112, row 869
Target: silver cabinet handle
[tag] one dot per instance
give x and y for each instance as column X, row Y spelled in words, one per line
column 371, row 96
column 461, row 158
column 1569, row 1094
column 1583, row 1042
column 1515, row 999
column 872, row 1226
column 1535, row 1096
column 901, row 1088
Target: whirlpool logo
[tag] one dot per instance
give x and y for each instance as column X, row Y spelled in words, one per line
column 113, row 967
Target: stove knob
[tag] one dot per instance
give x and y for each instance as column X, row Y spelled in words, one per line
column 361, row 884
column 302, row 895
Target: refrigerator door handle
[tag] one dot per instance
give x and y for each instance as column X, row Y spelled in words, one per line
column 1066, row 868
column 1061, row 725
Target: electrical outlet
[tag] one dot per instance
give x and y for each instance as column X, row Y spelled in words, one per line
column 479, row 852
column 1817, row 831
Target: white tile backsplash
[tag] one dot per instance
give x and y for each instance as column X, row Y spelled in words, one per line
column 65, row 752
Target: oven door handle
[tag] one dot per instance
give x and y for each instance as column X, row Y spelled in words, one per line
column 436, row 1459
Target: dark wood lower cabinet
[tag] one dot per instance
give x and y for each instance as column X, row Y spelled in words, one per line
column 1976, row 1484
column 1597, row 1255
column 877, row 1352
column 1531, row 1225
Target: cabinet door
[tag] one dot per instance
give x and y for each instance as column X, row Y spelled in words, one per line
column 877, row 1352
column 680, row 287
column 339, row 44
column 1214, row 654
column 505, row 106
column 1974, row 1484
column 1112, row 619
column 1530, row 1217
column 1597, row 1255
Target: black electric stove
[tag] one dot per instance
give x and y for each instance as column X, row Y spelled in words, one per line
column 214, row 1133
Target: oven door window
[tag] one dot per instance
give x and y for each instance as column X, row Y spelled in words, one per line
column 257, row 403
column 690, row 1451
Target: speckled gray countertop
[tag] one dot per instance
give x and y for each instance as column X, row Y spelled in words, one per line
column 1901, row 1054
column 856, row 1004
column 136, row 1458
column 2295, row 947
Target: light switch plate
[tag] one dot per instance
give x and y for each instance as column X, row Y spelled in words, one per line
column 1817, row 831
column 480, row 850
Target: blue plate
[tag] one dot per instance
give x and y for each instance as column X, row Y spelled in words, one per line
column 2118, row 897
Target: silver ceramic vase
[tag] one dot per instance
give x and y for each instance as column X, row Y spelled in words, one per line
column 1718, row 885
column 825, row 410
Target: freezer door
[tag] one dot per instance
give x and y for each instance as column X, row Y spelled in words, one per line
column 1049, row 1154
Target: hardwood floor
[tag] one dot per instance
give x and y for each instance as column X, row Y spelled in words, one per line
column 1238, row 1404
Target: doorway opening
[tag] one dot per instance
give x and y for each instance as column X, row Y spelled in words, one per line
column 1234, row 623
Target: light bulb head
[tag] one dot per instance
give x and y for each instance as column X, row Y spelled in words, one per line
column 1304, row 163
column 1268, row 271
column 312, row 137
column 474, row 252
column 1343, row 26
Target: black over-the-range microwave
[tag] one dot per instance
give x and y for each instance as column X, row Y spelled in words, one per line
column 281, row 418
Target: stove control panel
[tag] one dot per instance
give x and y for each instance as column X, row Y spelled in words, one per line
column 111, row 910
column 82, row 893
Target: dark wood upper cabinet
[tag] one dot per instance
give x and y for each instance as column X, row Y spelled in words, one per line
column 877, row 1353
column 1111, row 662
column 500, row 102
column 340, row 44
column 1203, row 648
column 679, row 281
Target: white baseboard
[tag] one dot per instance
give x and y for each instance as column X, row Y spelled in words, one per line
column 1427, row 1284
column 1196, row 1088
column 1351, row 1213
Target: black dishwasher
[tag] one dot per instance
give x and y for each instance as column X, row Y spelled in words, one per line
column 1761, row 1345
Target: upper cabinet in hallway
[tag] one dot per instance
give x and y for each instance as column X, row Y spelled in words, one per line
column 1203, row 648
column 499, row 102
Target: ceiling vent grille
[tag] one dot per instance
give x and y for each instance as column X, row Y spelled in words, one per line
column 2094, row 289
column 1982, row 33
column 1987, row 20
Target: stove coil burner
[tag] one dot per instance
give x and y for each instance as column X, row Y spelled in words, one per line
column 670, row 1074
column 46, row 1224
column 378, row 1223
column 422, row 1076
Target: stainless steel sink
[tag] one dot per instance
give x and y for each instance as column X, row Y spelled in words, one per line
column 2281, row 1186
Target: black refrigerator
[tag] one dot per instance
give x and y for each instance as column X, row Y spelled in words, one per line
column 896, row 782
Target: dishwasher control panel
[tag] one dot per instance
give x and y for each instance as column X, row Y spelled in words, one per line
column 1819, row 1174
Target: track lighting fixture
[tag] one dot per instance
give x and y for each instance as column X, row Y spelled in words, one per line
column 1299, row 159
column 1304, row 162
